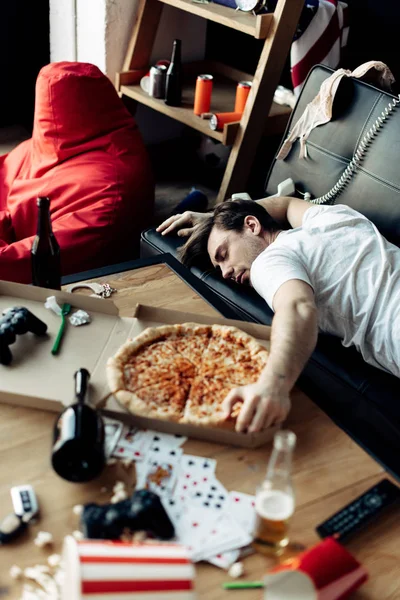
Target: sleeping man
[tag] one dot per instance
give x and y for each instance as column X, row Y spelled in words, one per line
column 318, row 267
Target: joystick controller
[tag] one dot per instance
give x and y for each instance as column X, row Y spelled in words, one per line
column 17, row 321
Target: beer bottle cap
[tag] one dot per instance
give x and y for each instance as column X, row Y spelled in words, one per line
column 43, row 201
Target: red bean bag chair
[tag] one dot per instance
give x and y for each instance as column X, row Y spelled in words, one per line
column 86, row 154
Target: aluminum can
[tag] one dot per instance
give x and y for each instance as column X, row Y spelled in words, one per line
column 242, row 91
column 158, row 75
column 202, row 95
column 218, row 120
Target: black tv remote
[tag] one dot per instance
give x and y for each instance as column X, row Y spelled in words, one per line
column 361, row 511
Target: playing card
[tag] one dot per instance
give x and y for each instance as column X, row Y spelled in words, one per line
column 202, row 491
column 196, row 476
column 242, row 509
column 175, row 508
column 224, row 535
column 224, row 560
column 191, row 528
column 170, row 452
column 159, row 473
column 210, row 494
column 162, row 441
column 198, row 464
column 112, row 432
column 133, row 444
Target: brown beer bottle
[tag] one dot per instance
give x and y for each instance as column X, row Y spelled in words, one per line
column 45, row 252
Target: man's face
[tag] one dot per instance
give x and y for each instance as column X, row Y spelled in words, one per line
column 235, row 252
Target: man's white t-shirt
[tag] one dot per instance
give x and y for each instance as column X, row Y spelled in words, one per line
column 354, row 272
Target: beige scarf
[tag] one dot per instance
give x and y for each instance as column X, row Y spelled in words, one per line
column 319, row 111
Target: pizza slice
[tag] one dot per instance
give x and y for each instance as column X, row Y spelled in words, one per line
column 239, row 373
column 135, row 377
column 142, row 360
column 162, row 400
column 203, row 406
column 191, row 341
column 234, row 355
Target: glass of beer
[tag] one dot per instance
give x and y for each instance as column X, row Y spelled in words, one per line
column 275, row 501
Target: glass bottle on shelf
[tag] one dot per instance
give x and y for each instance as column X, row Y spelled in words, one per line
column 275, row 501
column 173, row 85
column 45, row 252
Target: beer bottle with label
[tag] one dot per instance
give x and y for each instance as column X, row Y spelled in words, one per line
column 45, row 252
column 173, row 85
column 275, row 500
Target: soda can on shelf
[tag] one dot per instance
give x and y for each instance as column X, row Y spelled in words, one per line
column 242, row 91
column 157, row 81
column 202, row 95
column 218, row 120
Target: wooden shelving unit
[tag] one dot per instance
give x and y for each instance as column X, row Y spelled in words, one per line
column 260, row 116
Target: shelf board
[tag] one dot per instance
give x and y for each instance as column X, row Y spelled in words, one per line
column 183, row 113
column 255, row 25
column 222, row 100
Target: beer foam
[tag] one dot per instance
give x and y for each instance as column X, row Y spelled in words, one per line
column 274, row 505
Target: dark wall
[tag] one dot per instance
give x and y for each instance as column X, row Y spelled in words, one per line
column 24, row 49
column 374, row 34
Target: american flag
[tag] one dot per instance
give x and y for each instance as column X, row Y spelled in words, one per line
column 321, row 41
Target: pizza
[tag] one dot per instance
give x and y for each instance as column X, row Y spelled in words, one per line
column 183, row 372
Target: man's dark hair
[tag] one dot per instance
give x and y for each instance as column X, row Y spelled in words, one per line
column 229, row 216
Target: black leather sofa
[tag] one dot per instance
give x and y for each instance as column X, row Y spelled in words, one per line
column 362, row 400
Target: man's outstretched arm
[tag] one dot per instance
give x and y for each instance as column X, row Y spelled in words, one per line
column 283, row 209
column 293, row 338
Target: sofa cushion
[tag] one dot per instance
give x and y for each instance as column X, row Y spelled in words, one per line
column 87, row 155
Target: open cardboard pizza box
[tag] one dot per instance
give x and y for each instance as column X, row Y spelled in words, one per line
column 38, row 379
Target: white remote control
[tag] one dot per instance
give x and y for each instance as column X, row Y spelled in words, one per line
column 24, row 502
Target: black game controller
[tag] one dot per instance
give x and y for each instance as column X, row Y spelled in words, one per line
column 142, row 512
column 17, row 321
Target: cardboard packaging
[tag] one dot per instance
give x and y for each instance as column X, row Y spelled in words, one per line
column 38, row 379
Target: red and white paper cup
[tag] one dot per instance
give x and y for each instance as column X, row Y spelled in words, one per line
column 108, row 570
column 326, row 571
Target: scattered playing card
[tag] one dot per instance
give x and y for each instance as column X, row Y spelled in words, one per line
column 242, row 509
column 167, row 452
column 210, row 494
column 224, row 560
column 163, row 440
column 174, row 508
column 133, row 444
column 223, row 535
column 198, row 464
column 160, row 471
column 112, row 430
column 191, row 528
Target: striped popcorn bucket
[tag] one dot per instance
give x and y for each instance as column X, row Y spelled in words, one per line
column 108, row 570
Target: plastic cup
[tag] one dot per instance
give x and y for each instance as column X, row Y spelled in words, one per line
column 326, row 571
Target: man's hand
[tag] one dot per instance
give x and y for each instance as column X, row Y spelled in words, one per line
column 263, row 406
column 183, row 223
